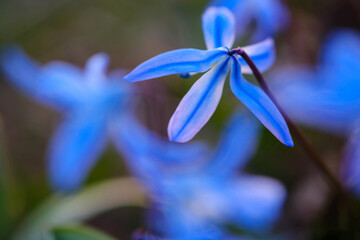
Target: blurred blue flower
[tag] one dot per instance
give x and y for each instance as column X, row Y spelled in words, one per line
column 269, row 16
column 201, row 101
column 327, row 96
column 196, row 200
column 88, row 99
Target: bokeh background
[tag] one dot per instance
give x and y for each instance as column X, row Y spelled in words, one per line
column 131, row 32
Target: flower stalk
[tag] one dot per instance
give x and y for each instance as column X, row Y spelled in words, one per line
column 299, row 135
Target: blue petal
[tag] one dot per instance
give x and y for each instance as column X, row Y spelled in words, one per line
column 219, row 27
column 135, row 138
column 262, row 53
column 309, row 99
column 96, row 66
column 340, row 57
column 74, row 149
column 237, row 145
column 57, row 88
column 149, row 155
column 199, row 104
column 259, row 103
column 176, row 62
column 351, row 166
column 271, row 17
column 256, row 202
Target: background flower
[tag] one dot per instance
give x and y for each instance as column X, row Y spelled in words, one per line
column 327, row 96
column 194, row 201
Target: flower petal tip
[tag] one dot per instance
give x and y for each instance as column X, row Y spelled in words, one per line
column 129, row 78
column 287, row 140
column 289, row 143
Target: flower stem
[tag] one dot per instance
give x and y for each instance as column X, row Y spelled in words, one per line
column 305, row 144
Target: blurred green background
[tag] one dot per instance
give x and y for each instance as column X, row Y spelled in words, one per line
column 131, row 31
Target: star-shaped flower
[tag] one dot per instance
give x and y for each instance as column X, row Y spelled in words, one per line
column 195, row 201
column 328, row 96
column 269, row 16
column 201, row 101
column 91, row 103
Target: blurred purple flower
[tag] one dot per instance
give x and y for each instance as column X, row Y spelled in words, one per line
column 91, row 103
column 194, row 201
column 269, row 16
column 328, row 96
column 199, row 104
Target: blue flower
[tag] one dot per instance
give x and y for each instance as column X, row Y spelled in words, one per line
column 269, row 16
column 194, row 201
column 327, row 96
column 92, row 103
column 201, row 101
column 88, row 100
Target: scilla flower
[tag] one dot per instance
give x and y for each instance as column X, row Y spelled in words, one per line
column 269, row 16
column 328, row 96
column 90, row 101
column 197, row 200
column 201, row 101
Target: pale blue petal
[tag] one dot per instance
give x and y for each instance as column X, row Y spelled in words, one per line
column 176, row 62
column 256, row 202
column 218, row 27
column 308, row 98
column 262, row 53
column 52, row 85
column 237, row 145
column 199, row 104
column 259, row 103
column 75, row 148
column 350, row 174
column 95, row 68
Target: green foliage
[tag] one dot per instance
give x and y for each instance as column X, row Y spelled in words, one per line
column 77, row 232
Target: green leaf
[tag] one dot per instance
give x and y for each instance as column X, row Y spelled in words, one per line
column 91, row 201
column 77, row 232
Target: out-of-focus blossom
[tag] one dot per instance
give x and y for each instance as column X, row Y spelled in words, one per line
column 199, row 104
column 91, row 103
column 269, row 16
column 88, row 99
column 197, row 200
column 328, row 96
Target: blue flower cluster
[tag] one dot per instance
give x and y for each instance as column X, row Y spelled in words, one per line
column 195, row 191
